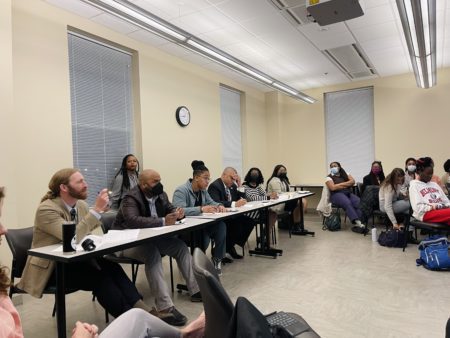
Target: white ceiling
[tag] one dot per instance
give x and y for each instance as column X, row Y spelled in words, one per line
column 256, row 32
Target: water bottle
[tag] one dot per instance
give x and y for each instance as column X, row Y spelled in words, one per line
column 374, row 234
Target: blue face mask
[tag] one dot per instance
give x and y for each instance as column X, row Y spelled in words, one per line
column 334, row 170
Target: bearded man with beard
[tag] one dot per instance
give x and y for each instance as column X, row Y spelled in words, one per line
column 65, row 202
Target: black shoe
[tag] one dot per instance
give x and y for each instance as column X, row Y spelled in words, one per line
column 196, row 297
column 227, row 260
column 234, row 254
column 174, row 317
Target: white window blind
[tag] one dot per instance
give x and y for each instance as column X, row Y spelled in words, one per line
column 102, row 121
column 230, row 108
column 349, row 130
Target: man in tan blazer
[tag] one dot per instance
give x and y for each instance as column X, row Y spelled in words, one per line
column 109, row 283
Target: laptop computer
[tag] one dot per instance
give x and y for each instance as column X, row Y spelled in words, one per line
column 291, row 323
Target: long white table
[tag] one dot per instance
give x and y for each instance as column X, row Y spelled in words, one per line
column 145, row 235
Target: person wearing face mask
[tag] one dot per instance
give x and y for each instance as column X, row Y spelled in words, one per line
column 445, row 180
column 410, row 174
column 375, row 177
column 279, row 183
column 340, row 184
column 147, row 206
column 428, row 201
column 254, row 191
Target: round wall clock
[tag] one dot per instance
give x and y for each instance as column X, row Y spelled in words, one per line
column 183, row 116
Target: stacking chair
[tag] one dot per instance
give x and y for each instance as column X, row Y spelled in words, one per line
column 218, row 306
column 19, row 242
column 216, row 302
column 434, row 228
column 106, row 222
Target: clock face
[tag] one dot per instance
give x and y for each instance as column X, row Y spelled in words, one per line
column 183, row 116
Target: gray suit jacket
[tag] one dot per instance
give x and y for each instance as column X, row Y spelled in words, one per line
column 50, row 216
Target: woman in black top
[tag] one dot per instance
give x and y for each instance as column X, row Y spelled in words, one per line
column 375, row 177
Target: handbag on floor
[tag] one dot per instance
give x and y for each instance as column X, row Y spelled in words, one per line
column 433, row 253
column 332, row 222
column 392, row 238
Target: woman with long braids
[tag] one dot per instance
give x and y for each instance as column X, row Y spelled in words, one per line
column 126, row 179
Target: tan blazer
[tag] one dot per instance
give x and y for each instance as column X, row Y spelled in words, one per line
column 50, row 216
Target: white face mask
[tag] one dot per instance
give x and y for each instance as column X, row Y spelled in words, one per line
column 334, row 170
column 411, row 168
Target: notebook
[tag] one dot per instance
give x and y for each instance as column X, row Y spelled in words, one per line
column 291, row 323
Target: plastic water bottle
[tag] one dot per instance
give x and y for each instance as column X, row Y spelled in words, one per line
column 374, row 234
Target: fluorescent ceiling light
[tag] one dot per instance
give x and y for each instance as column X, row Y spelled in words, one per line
column 131, row 13
column 418, row 19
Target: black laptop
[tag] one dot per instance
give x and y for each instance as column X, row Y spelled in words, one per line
column 291, row 323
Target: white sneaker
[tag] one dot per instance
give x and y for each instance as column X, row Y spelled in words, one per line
column 217, row 265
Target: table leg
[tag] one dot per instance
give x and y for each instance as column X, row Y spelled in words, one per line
column 60, row 300
column 302, row 231
column 262, row 249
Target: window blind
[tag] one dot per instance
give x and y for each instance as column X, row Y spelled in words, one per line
column 350, row 130
column 230, row 108
column 102, row 120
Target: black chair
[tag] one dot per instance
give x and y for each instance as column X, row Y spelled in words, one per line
column 216, row 302
column 19, row 242
column 433, row 228
column 218, row 306
column 106, row 222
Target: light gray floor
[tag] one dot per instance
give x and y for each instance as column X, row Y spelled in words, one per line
column 342, row 283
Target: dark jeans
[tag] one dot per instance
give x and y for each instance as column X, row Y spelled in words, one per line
column 238, row 230
column 107, row 280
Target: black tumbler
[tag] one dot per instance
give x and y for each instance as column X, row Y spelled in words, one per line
column 68, row 234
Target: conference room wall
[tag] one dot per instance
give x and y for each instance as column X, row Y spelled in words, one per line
column 408, row 122
column 9, row 214
column 39, row 129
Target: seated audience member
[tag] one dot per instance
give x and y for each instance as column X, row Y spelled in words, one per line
column 279, row 183
column 131, row 324
column 375, row 177
column 65, row 202
column 138, row 323
column 224, row 191
column 445, row 180
column 434, row 178
column 410, row 174
column 392, row 201
column 9, row 317
column 126, row 179
column 147, row 206
column 194, row 199
column 340, row 184
column 428, row 201
column 254, row 191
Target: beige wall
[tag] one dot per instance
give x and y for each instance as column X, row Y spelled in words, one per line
column 41, row 119
column 7, row 153
column 35, row 128
column 408, row 122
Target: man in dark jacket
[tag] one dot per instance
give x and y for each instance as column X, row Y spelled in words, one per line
column 224, row 191
column 147, row 206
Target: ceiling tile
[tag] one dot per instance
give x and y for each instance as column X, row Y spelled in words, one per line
column 147, row 37
column 328, row 37
column 245, row 10
column 374, row 32
column 76, row 7
column 373, row 16
column 115, row 23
